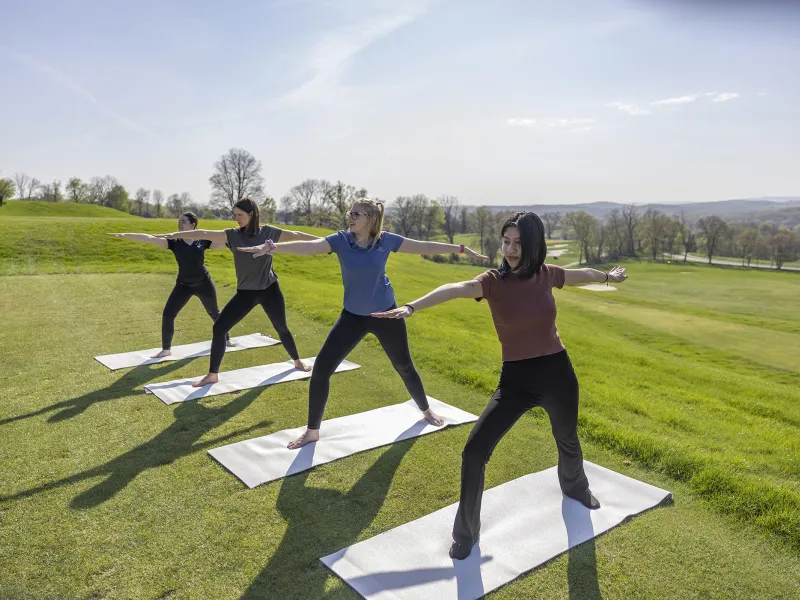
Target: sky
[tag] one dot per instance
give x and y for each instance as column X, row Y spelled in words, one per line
column 502, row 102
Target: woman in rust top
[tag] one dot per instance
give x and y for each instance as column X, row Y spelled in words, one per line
column 536, row 369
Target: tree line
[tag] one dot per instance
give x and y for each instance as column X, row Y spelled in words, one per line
column 625, row 232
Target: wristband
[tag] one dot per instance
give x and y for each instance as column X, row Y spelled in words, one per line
column 411, row 307
column 462, row 249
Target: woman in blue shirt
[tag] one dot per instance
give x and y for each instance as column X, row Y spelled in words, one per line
column 362, row 251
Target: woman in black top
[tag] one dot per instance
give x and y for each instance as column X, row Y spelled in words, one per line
column 193, row 277
column 256, row 281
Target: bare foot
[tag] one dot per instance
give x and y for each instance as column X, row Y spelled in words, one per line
column 208, row 379
column 299, row 364
column 311, row 435
column 230, row 343
column 163, row 353
column 432, row 418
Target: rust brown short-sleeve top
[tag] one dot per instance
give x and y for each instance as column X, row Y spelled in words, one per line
column 524, row 311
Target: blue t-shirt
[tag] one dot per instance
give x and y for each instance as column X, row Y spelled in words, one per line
column 367, row 289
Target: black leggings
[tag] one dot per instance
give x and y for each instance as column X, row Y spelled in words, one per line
column 348, row 330
column 546, row 381
column 181, row 294
column 243, row 301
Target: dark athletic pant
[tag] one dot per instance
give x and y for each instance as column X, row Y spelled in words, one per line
column 181, row 294
column 348, row 330
column 243, row 301
column 546, row 381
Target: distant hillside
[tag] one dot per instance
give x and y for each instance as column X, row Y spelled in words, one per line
column 783, row 211
column 30, row 208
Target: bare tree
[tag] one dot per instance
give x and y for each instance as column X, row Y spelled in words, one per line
column 77, row 191
column 551, row 221
column 158, row 201
column 140, row 200
column 712, row 228
column 491, row 244
column 483, row 223
column 449, row 205
column 300, row 199
column 26, row 186
column 464, row 225
column 237, row 175
column 784, row 246
column 51, row 192
column 654, row 225
column 685, row 227
column 100, row 189
column 403, row 212
column 747, row 238
column 630, row 220
column 432, row 220
column 174, row 204
column 616, row 234
column 583, row 224
column 186, row 200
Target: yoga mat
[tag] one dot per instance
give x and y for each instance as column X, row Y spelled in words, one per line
column 524, row 523
column 145, row 357
column 181, row 390
column 266, row 458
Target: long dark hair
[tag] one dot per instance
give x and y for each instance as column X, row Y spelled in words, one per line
column 250, row 207
column 532, row 243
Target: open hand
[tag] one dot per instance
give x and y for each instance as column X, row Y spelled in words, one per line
column 617, row 275
column 472, row 253
column 401, row 312
column 264, row 249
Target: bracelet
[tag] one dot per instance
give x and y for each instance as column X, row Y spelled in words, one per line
column 411, row 307
column 462, row 249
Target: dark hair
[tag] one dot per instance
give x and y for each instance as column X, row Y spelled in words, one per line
column 192, row 218
column 532, row 244
column 250, row 207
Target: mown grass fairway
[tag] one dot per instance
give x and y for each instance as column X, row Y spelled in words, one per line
column 689, row 379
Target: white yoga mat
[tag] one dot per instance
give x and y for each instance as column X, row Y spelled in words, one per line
column 267, row 458
column 524, row 523
column 181, row 390
column 145, row 357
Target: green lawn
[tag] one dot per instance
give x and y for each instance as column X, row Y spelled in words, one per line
column 20, row 208
column 687, row 379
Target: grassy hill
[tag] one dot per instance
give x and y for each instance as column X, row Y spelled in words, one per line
column 26, row 208
column 687, row 382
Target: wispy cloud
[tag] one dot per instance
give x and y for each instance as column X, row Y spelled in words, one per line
column 676, row 100
column 724, row 97
column 627, row 107
column 73, row 86
column 330, row 56
column 566, row 124
column 633, row 108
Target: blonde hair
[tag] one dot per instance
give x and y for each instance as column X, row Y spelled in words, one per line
column 374, row 210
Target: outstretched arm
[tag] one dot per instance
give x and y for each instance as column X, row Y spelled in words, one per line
column 587, row 275
column 145, row 238
column 448, row 291
column 213, row 235
column 410, row 246
column 294, row 236
column 316, row 246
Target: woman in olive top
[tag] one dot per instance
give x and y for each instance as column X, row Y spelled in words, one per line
column 256, row 284
column 536, row 369
column 362, row 250
column 193, row 277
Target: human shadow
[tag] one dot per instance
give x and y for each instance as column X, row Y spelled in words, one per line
column 180, row 439
column 320, row 522
column 129, row 384
column 581, row 557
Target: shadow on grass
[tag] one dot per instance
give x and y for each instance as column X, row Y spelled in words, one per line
column 180, row 439
column 320, row 522
column 127, row 385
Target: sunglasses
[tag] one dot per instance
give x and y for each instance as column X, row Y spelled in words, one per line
column 355, row 215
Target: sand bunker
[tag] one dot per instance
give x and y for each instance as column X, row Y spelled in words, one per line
column 598, row 287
